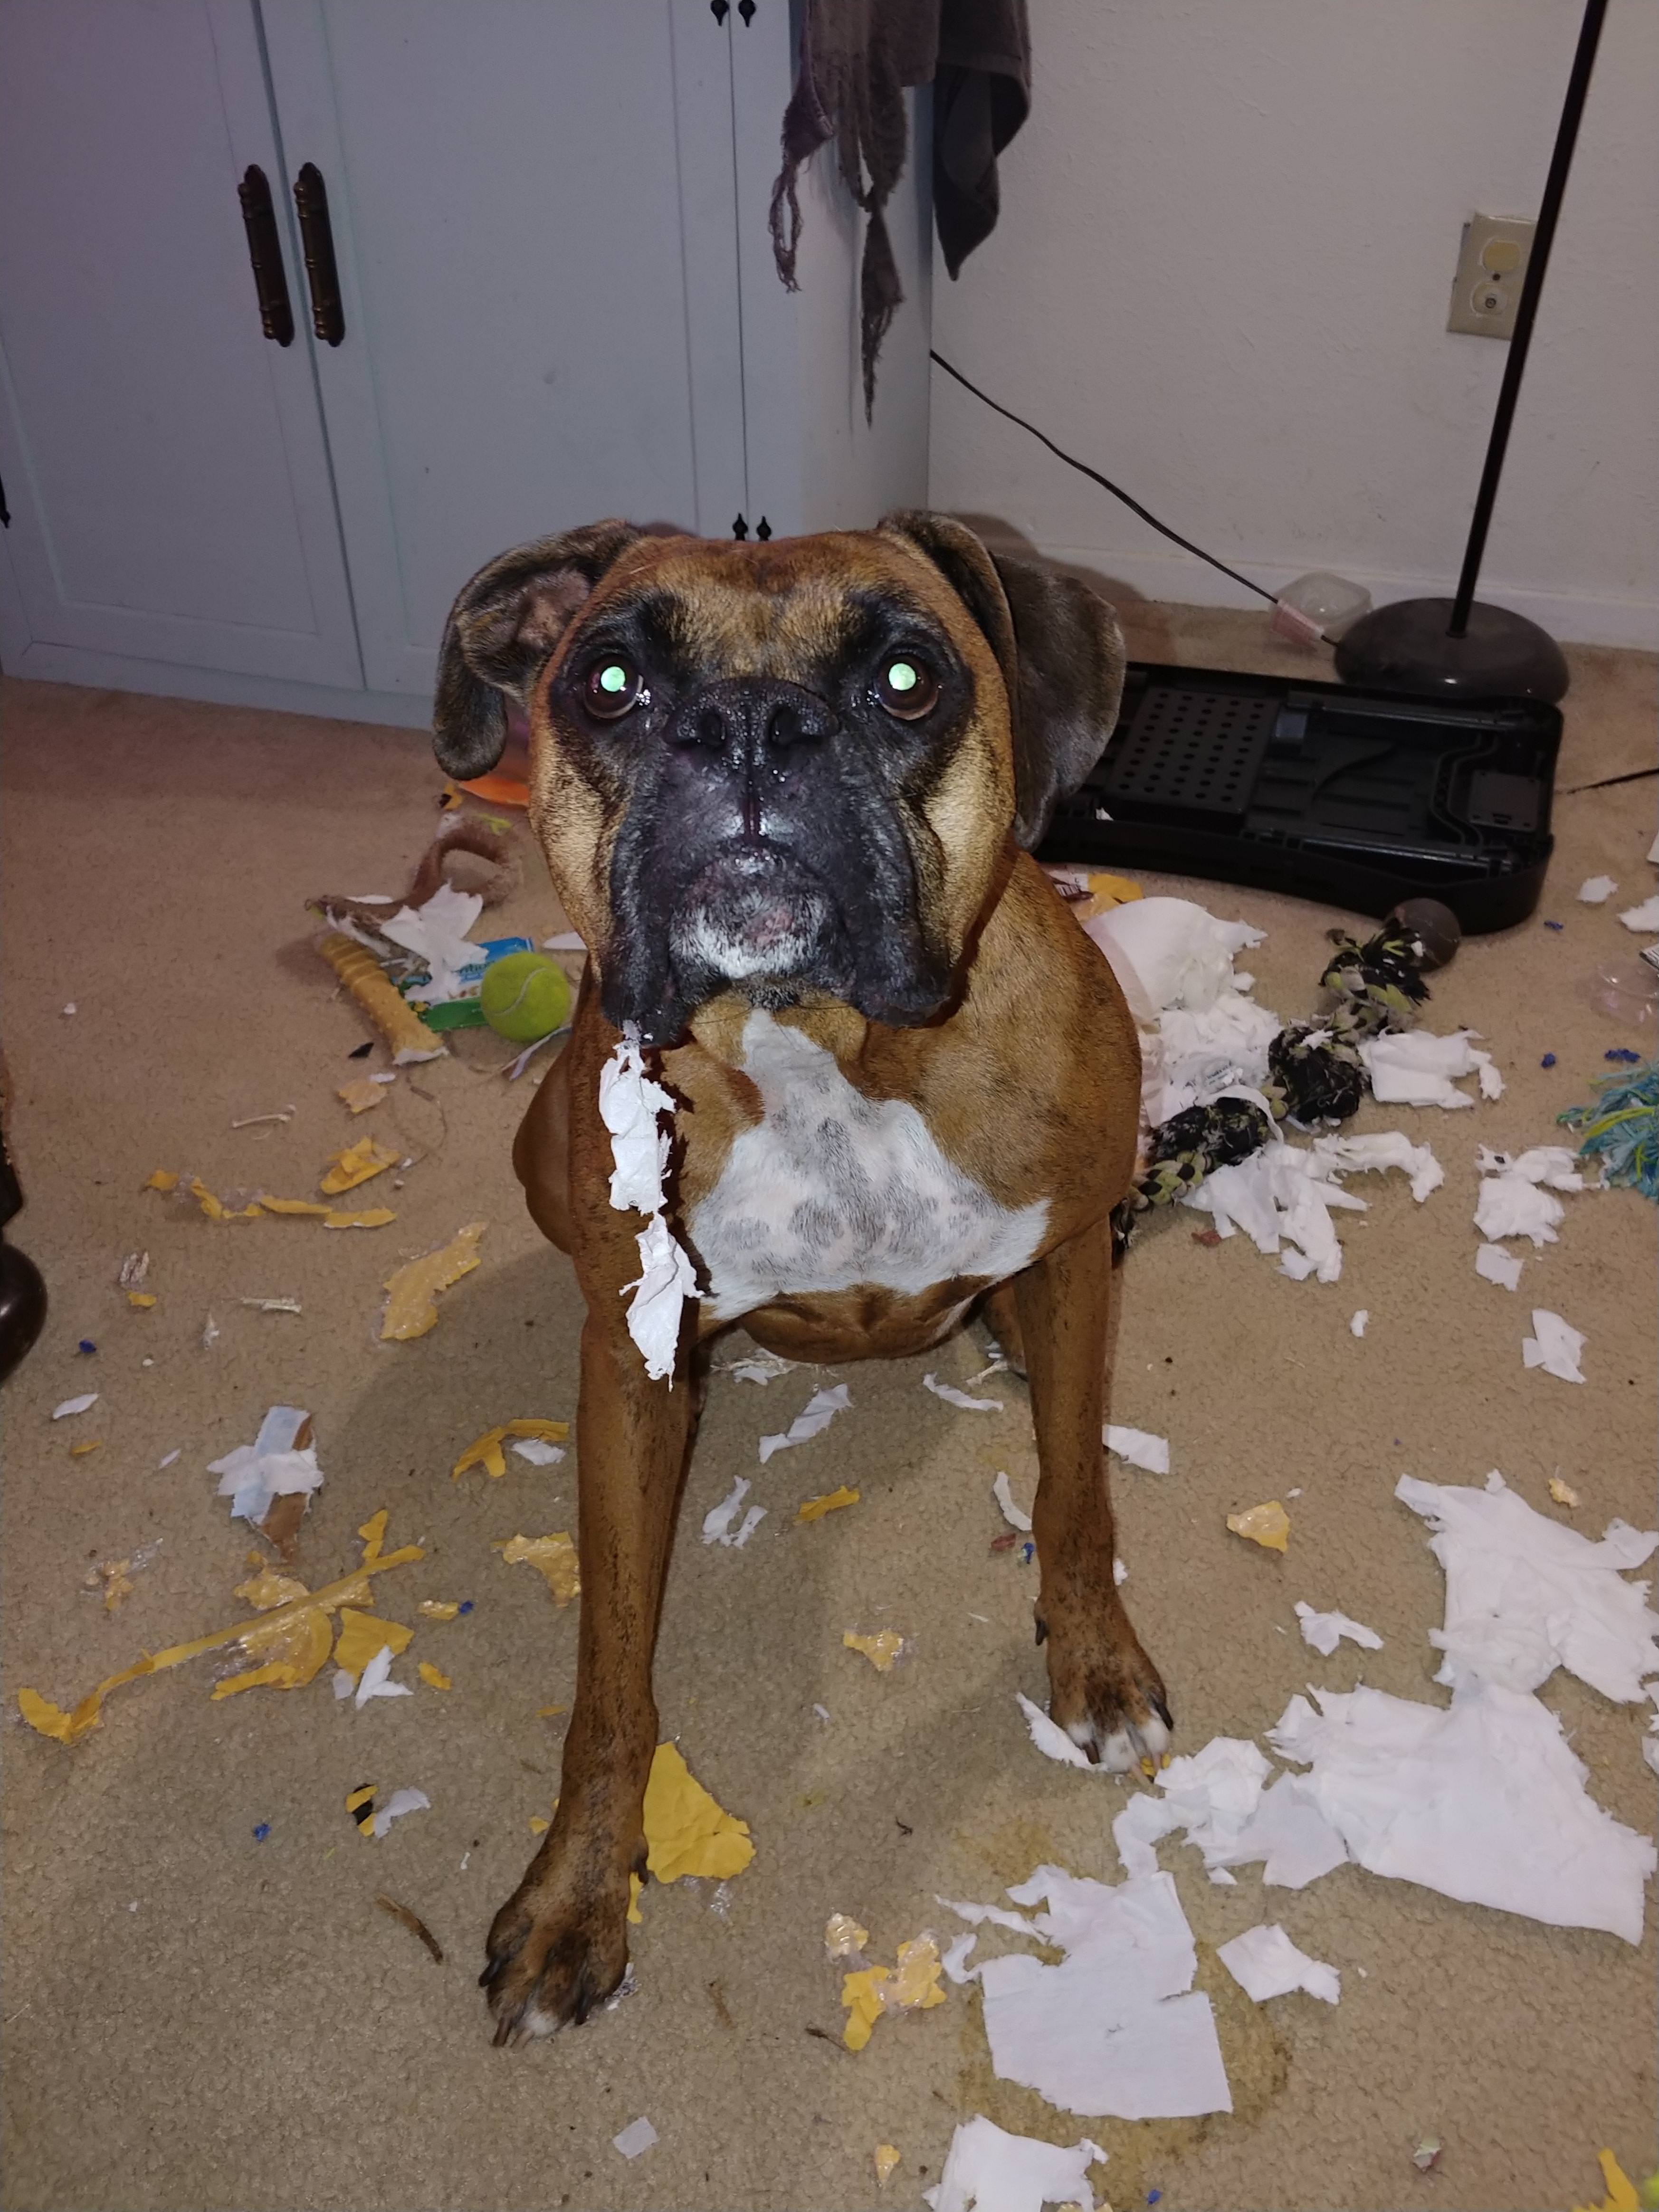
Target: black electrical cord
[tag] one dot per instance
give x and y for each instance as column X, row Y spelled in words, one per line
column 1105, row 482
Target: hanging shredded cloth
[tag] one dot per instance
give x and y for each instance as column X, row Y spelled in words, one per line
column 858, row 58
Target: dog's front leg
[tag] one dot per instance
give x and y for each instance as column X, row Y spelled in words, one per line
column 559, row 1945
column 1103, row 1690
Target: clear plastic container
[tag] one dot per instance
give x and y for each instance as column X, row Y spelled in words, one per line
column 1319, row 605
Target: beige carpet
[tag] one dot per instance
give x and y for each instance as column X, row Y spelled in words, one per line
column 196, row 2018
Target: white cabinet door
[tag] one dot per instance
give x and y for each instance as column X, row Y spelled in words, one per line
column 532, row 205
column 164, row 461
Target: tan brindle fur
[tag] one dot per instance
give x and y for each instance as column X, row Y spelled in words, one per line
column 1030, row 1084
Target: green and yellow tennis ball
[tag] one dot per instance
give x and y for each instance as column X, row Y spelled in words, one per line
column 524, row 996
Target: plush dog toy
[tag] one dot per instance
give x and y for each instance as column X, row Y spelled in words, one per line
column 788, row 794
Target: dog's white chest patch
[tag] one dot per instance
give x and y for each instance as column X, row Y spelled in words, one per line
column 831, row 1190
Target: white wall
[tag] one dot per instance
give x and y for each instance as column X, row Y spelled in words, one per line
column 1222, row 276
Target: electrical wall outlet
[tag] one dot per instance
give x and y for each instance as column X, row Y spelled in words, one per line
column 1492, row 266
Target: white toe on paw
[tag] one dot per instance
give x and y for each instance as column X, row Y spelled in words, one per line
column 533, row 2021
column 1123, row 1751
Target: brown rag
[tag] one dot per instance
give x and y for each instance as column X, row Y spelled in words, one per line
column 857, row 59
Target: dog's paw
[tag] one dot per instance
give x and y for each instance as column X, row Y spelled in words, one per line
column 1107, row 1695
column 556, row 1952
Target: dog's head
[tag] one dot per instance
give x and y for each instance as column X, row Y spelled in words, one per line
column 790, row 770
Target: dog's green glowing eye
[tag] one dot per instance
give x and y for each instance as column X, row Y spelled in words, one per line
column 907, row 687
column 614, row 687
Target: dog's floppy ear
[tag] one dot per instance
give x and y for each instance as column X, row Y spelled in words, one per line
column 1060, row 649
column 500, row 631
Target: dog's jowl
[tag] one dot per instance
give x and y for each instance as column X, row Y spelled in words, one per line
column 788, row 794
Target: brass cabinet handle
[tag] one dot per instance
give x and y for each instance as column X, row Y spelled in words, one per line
column 317, row 236
column 264, row 251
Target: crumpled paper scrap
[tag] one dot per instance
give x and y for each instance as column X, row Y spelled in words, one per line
column 356, row 1163
column 412, row 1293
column 1015, row 1515
column 373, row 1820
column 84, row 1404
column 813, row 1419
column 1516, row 1191
column 1494, row 1265
column 1553, row 1346
column 553, row 1557
column 1149, row 1453
column 487, row 1451
column 1212, row 1794
column 275, row 1465
column 1526, row 1594
column 635, row 2138
column 1413, row 1067
column 1597, row 890
column 1269, row 1525
column 1325, row 1630
column 814, row 1508
column 686, row 1831
column 881, row 1650
column 988, row 2170
column 1643, row 919
column 1265, row 1963
column 912, row 1983
column 717, row 1522
column 283, row 1631
column 960, row 1399
column 374, row 1681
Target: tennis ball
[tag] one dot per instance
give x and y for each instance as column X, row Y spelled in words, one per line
column 524, row 996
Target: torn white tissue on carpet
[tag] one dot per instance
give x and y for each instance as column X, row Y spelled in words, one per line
column 1481, row 1800
column 1597, row 890
column 1526, row 1594
column 952, row 1396
column 1553, row 1346
column 1265, row 1963
column 1644, row 918
column 375, row 1681
column 630, row 1105
column 1497, row 1266
column 399, row 1803
column 1212, row 1794
column 1411, row 1068
column 988, row 2170
column 1116, row 2029
column 1050, row 1739
column 717, row 1522
column 1513, row 1200
column 253, row 1474
column 437, row 934
column 1280, row 1195
column 1325, row 1630
column 759, row 1366
column 1357, row 1326
column 1289, row 1834
column 820, row 1409
column 564, row 940
column 1149, row 1453
column 954, row 1962
column 537, row 1451
column 637, row 2136
column 84, row 1404
column 1015, row 1515
column 1383, row 1149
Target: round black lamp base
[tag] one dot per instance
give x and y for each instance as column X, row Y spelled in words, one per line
column 1407, row 648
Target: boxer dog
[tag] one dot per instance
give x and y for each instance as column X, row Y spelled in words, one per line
column 788, row 794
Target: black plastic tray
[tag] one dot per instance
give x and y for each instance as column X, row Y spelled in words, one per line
column 1360, row 799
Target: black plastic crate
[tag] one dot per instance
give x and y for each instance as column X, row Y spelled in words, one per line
column 1360, row 799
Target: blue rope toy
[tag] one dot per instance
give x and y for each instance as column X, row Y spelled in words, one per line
column 1622, row 1129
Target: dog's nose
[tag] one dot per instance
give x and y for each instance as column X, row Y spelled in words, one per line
column 745, row 722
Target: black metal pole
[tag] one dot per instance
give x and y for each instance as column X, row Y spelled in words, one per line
column 1555, row 186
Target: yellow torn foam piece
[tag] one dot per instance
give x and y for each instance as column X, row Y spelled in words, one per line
column 268, row 1588
column 439, row 1608
column 116, row 1579
column 216, row 1210
column 549, row 1712
column 411, row 1293
column 814, row 1508
column 881, row 1649
column 487, row 1450
column 635, row 1886
column 686, row 1831
column 362, row 1634
column 1269, row 1525
column 292, row 1656
column 361, row 1096
column 80, row 1451
column 366, row 981
column 433, row 1677
column 842, row 1935
column 553, row 1557
column 372, row 1533
column 886, row 2159
column 269, row 1631
column 911, row 1984
column 159, row 1179
column 538, row 1825
column 356, row 1163
column 1621, row 2194
column 142, row 1299
column 1563, row 1493
column 373, row 1217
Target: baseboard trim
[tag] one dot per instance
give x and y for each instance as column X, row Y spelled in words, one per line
column 114, row 671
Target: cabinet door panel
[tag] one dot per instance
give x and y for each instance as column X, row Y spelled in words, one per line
column 165, row 461
column 533, row 219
